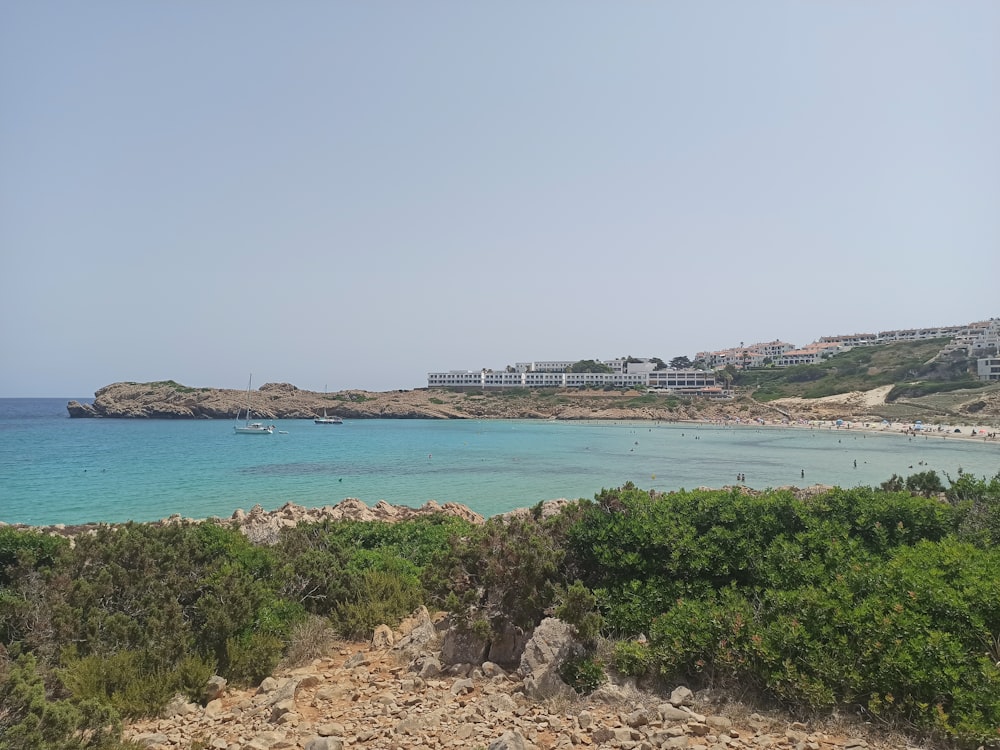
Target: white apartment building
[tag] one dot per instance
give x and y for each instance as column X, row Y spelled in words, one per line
column 854, row 339
column 555, row 366
column 988, row 368
column 981, row 336
column 698, row 382
column 808, row 355
column 754, row 355
column 921, row 334
column 625, row 374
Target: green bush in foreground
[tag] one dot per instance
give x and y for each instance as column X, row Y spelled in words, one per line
column 31, row 720
column 856, row 597
column 883, row 599
column 582, row 673
column 130, row 684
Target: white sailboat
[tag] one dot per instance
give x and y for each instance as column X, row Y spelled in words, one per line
column 325, row 419
column 251, row 428
column 328, row 420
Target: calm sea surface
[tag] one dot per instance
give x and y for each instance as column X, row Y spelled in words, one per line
column 54, row 469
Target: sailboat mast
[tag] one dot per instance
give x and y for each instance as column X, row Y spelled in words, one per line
column 249, row 383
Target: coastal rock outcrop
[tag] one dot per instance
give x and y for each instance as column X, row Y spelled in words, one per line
column 263, row 526
column 171, row 400
column 76, row 409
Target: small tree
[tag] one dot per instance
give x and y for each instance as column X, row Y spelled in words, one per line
column 588, row 365
column 680, row 363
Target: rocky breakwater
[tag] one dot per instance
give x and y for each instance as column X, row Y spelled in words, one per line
column 409, row 688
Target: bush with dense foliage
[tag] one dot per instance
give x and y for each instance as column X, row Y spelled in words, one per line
column 505, row 572
column 30, row 720
column 883, row 599
column 363, row 574
column 123, row 619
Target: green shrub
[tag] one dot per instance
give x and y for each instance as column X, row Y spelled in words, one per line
column 977, row 509
column 28, row 549
column 577, row 606
column 582, row 673
column 851, row 597
column 632, row 658
column 131, row 683
column 378, row 597
column 505, row 571
column 926, row 388
column 926, row 483
column 32, row 720
column 170, row 591
column 251, row 657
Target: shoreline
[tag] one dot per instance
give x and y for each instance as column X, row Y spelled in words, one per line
column 957, row 431
column 966, row 432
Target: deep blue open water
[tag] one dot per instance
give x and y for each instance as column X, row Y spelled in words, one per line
column 54, row 469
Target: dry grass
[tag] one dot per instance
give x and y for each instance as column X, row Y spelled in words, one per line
column 311, row 639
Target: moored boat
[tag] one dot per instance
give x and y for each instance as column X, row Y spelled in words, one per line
column 251, row 428
column 328, row 420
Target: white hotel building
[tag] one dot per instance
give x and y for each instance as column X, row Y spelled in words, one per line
column 624, row 374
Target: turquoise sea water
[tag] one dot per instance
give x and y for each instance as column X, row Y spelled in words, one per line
column 54, row 469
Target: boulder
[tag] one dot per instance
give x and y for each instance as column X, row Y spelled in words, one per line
column 215, row 688
column 382, row 638
column 511, row 740
column 428, row 667
column 324, row 743
column 461, row 645
column 681, row 696
column 76, row 409
column 421, row 637
column 178, row 706
column 551, row 644
column 507, row 646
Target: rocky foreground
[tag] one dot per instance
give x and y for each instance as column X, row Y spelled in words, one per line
column 424, row 685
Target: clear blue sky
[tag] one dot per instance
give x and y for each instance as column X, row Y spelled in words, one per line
column 350, row 195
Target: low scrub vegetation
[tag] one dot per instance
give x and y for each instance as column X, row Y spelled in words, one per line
column 926, row 388
column 915, row 363
column 881, row 600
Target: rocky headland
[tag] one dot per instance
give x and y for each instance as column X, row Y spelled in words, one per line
column 170, row 400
